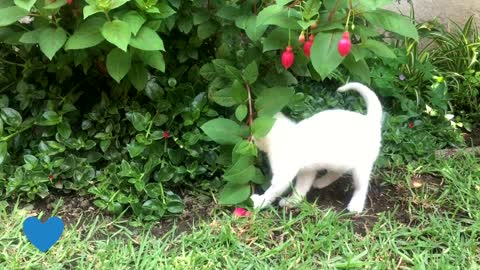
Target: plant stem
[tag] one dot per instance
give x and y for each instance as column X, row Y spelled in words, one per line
column 108, row 17
column 330, row 16
column 294, row 3
column 250, row 108
column 11, row 63
column 6, row 138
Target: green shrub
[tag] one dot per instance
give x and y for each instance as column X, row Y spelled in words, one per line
column 88, row 89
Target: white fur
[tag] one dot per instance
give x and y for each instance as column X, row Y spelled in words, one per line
column 339, row 141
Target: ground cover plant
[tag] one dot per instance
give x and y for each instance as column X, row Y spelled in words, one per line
column 169, row 77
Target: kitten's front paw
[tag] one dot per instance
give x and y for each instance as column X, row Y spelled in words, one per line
column 258, row 201
column 289, row 202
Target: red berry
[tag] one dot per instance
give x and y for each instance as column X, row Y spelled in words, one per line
column 69, row 2
column 288, row 57
column 410, row 124
column 308, row 46
column 165, row 134
column 301, row 38
column 344, row 45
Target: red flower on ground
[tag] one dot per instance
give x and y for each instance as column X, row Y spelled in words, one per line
column 288, row 57
column 241, row 212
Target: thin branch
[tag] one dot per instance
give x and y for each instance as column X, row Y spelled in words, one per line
column 294, row 3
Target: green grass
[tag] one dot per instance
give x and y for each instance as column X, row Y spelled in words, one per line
column 443, row 233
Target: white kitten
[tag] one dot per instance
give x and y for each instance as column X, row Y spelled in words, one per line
column 339, row 141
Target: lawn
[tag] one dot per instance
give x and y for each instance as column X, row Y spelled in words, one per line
column 420, row 217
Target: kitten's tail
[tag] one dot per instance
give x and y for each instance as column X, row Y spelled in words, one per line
column 374, row 108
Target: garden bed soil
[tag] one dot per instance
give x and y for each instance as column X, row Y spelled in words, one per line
column 381, row 198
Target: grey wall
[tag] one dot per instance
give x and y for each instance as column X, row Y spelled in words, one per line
column 455, row 10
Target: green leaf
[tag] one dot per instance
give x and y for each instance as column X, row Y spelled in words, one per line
column 138, row 120
column 32, row 37
column 118, row 64
column 135, row 149
column 368, row 5
column 223, row 131
column 241, row 172
column 262, row 125
column 239, row 93
column 205, row 30
column 51, row 40
column 153, row 59
column 207, row 71
column 259, row 178
column 393, row 22
column 30, row 161
column 250, row 73
column 232, row 72
column 118, row 33
column 200, row 17
column 310, row 9
column 3, row 151
column 165, row 10
column 241, row 112
column 90, row 10
column 56, row 4
column 242, row 149
column 11, row 117
column 147, row 40
column 49, row 118
column 267, row 13
column 379, row 48
column 276, row 40
column 253, row 31
column 135, row 21
column 87, row 35
column 272, row 100
column 25, row 4
column 138, row 76
column 10, row 15
column 64, row 129
column 324, row 53
column 358, row 68
column 233, row 194
column 224, row 97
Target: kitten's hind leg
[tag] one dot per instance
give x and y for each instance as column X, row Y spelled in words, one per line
column 361, row 179
column 304, row 183
column 327, row 179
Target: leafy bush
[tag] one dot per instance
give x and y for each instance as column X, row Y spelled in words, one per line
column 181, row 70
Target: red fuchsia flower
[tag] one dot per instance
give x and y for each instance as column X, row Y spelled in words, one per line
column 344, row 45
column 288, row 57
column 165, row 134
column 241, row 212
column 410, row 125
column 301, row 38
column 308, row 46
